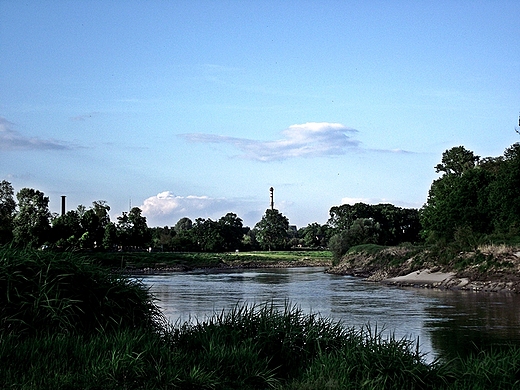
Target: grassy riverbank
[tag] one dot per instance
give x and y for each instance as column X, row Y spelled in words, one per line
column 158, row 261
column 69, row 324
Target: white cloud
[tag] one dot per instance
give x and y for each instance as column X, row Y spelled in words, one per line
column 167, row 208
column 11, row 139
column 311, row 139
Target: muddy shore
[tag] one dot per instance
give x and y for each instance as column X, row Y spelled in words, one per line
column 499, row 272
column 162, row 268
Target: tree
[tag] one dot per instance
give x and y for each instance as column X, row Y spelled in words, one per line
column 162, row 237
column 7, row 211
column 458, row 199
column 315, row 235
column 183, row 224
column 232, row 231
column 110, row 236
column 140, row 235
column 362, row 231
column 504, row 192
column 93, row 222
column 67, row 229
column 456, row 161
column 31, row 224
column 365, row 231
column 132, row 229
column 396, row 224
column 342, row 217
column 272, row 230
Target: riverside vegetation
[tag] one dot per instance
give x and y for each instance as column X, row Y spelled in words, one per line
column 67, row 323
column 70, row 321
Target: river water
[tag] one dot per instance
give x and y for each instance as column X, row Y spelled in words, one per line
column 444, row 322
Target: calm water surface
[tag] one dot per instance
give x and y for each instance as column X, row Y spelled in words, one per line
column 444, row 322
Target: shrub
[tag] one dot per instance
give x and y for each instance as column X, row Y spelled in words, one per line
column 61, row 292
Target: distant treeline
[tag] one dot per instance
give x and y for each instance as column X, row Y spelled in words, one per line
column 475, row 199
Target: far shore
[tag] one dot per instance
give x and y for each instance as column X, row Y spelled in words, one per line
column 449, row 280
column 429, row 276
column 488, row 268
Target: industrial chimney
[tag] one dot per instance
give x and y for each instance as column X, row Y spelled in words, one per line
column 271, row 190
column 62, row 205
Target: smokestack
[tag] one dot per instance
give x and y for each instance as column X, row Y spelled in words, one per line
column 63, row 205
column 271, row 190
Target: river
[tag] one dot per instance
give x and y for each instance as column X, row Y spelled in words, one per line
column 444, row 322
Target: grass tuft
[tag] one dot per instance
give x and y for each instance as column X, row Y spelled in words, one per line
column 65, row 293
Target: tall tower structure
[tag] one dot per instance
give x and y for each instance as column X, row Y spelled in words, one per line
column 63, row 205
column 271, row 190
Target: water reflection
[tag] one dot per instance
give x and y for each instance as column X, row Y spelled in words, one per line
column 466, row 321
column 445, row 322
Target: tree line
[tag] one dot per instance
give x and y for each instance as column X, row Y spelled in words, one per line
column 28, row 222
column 474, row 199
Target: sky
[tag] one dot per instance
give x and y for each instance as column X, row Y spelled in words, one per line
column 193, row 108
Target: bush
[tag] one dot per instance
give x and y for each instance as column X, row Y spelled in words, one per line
column 60, row 292
column 339, row 244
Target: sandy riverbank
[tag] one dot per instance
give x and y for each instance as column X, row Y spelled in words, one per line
column 491, row 268
column 449, row 280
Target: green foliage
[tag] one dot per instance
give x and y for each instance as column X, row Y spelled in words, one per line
column 490, row 369
column 67, row 230
column 458, row 202
column 362, row 231
column 207, row 235
column 505, row 191
column 396, row 225
column 61, row 293
column 271, row 231
column 456, row 161
column 370, row 249
column 473, row 198
column 183, row 224
column 190, row 260
column 109, row 236
column 370, row 362
column 132, row 230
column 286, row 340
column 31, row 225
column 339, row 244
column 315, row 235
column 7, row 211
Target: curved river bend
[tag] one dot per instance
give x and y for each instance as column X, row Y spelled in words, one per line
column 445, row 322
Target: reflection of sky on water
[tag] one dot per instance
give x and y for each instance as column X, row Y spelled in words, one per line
column 441, row 320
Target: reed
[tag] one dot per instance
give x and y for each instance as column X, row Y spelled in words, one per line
column 287, row 340
column 486, row 369
column 68, row 324
column 50, row 292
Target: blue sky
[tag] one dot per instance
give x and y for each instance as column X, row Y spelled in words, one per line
column 196, row 108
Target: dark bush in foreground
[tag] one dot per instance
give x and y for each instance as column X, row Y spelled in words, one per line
column 50, row 292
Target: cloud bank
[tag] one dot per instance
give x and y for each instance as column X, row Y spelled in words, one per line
column 167, row 208
column 11, row 139
column 311, row 139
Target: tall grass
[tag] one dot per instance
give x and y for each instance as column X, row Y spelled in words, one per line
column 64, row 293
column 67, row 324
column 286, row 340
